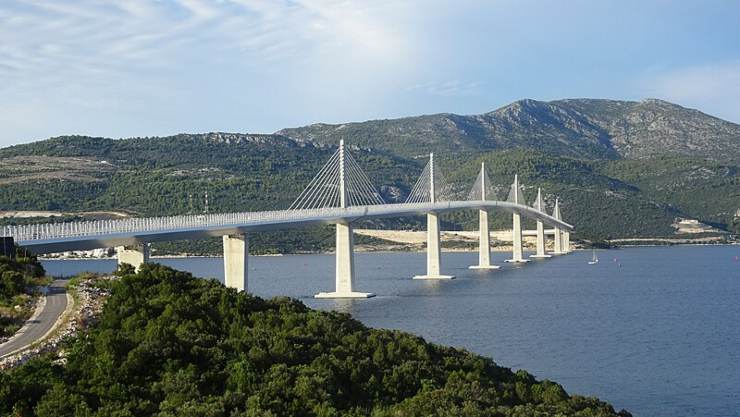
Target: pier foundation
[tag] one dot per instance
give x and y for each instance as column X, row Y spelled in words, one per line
column 345, row 266
column 558, row 242
column 433, row 250
column 236, row 261
column 516, row 240
column 484, row 243
column 540, row 242
column 134, row 255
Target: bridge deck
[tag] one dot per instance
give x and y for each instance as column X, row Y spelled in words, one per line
column 60, row 237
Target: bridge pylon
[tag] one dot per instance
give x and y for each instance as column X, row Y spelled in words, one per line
column 539, row 204
column 431, row 187
column 517, row 197
column 558, row 236
column 341, row 183
column 480, row 192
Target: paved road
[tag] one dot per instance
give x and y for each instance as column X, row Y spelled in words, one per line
column 56, row 302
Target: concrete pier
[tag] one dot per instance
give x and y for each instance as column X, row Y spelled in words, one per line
column 516, row 240
column 236, row 261
column 540, row 242
column 558, row 236
column 484, row 239
column 516, row 196
column 134, row 255
column 433, row 245
column 539, row 204
column 433, row 250
column 566, row 241
column 345, row 266
column 484, row 243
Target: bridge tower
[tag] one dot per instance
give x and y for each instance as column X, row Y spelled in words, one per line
column 539, row 204
column 431, row 188
column 480, row 192
column 566, row 241
column 558, row 236
column 345, row 245
column 340, row 184
column 517, row 197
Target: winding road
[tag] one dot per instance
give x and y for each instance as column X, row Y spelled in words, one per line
column 33, row 330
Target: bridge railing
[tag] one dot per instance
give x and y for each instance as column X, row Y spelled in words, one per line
column 61, row 230
column 92, row 228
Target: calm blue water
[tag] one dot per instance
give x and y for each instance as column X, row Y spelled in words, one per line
column 656, row 332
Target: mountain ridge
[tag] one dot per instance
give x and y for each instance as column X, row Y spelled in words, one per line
column 586, row 128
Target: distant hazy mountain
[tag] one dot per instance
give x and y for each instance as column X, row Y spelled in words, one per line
column 583, row 128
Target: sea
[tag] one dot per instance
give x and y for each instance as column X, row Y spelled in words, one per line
column 654, row 330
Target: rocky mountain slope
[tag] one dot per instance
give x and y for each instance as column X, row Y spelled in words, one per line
column 584, row 128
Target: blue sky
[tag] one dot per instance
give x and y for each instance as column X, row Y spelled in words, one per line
column 158, row 67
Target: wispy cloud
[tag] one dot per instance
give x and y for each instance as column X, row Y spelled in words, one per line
column 150, row 67
column 107, row 54
column 87, row 34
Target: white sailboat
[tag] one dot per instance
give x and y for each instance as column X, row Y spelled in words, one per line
column 594, row 259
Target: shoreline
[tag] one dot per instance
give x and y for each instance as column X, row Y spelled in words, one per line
column 453, row 250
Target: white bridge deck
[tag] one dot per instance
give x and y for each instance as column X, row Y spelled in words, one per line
column 60, row 237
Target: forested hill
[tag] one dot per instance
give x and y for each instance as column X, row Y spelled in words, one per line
column 168, row 344
column 612, row 185
column 581, row 128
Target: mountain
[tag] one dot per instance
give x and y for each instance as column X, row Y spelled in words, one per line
column 583, row 128
column 622, row 169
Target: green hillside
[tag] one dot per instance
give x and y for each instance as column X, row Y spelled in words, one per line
column 583, row 151
column 168, row 344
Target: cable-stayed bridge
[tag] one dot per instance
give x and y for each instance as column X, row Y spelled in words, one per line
column 340, row 194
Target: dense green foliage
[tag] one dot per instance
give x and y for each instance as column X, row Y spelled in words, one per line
column 603, row 198
column 16, row 274
column 168, row 344
column 17, row 278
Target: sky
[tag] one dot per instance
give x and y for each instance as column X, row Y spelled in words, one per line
column 158, row 67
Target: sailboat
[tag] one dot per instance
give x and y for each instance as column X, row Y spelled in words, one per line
column 594, row 259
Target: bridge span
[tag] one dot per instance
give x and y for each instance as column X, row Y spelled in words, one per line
column 340, row 194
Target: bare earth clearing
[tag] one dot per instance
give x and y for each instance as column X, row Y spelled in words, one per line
column 454, row 240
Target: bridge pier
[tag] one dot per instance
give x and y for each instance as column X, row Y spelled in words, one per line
column 558, row 237
column 484, row 243
column 539, row 204
column 433, row 250
column 345, row 266
column 540, row 242
column 236, row 261
column 516, row 240
column 566, row 242
column 558, row 242
column 134, row 255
